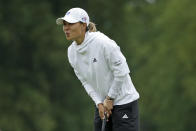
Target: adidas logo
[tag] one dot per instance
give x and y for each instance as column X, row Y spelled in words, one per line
column 125, row 116
column 94, row 60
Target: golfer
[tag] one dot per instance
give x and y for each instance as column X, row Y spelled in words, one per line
column 103, row 71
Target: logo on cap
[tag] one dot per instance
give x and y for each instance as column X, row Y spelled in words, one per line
column 84, row 19
column 68, row 13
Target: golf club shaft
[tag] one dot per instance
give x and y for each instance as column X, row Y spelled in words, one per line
column 104, row 122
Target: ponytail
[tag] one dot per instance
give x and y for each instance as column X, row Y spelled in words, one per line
column 92, row 27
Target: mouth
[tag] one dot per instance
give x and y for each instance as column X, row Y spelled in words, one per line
column 67, row 34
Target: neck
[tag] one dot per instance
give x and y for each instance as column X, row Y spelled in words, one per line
column 80, row 39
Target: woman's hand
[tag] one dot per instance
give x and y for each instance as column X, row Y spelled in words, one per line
column 108, row 104
column 101, row 110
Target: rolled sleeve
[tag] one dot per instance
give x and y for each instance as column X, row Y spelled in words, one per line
column 118, row 65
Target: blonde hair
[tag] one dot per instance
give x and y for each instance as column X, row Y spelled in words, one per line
column 92, row 27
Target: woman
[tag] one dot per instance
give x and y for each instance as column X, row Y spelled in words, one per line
column 103, row 71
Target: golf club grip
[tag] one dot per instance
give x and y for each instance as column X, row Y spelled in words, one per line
column 104, row 122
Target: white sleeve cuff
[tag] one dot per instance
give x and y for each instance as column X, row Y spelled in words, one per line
column 95, row 97
column 90, row 91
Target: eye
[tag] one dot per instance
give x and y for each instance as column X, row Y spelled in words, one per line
column 66, row 23
column 71, row 23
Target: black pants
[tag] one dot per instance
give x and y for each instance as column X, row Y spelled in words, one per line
column 123, row 118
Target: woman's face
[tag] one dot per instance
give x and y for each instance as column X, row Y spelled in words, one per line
column 73, row 31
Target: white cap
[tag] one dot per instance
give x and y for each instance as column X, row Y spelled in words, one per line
column 74, row 15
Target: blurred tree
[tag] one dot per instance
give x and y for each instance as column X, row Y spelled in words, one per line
column 162, row 45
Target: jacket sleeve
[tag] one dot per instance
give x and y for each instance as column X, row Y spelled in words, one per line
column 118, row 65
column 90, row 91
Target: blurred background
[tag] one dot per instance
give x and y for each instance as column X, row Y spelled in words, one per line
column 40, row 92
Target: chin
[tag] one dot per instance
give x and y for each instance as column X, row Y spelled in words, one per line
column 68, row 38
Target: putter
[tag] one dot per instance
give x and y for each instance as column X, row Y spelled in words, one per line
column 104, row 121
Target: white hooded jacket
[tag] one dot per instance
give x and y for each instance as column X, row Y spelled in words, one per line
column 102, row 69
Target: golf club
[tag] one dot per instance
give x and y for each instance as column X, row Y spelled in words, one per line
column 104, row 122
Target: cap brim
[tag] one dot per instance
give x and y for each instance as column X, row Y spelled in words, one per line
column 69, row 19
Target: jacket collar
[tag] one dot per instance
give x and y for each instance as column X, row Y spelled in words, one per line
column 82, row 48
